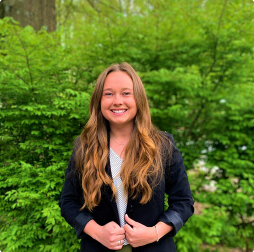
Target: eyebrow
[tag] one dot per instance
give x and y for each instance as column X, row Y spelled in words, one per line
column 121, row 89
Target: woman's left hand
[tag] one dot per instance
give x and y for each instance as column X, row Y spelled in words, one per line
column 138, row 234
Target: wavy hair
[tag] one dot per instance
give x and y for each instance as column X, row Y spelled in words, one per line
column 142, row 166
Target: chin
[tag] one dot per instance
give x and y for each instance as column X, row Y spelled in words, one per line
column 120, row 122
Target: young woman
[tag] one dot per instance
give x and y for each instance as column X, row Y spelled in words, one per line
column 120, row 169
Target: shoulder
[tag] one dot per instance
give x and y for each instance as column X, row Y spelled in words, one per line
column 171, row 152
column 168, row 141
column 72, row 171
column 76, row 144
column 168, row 135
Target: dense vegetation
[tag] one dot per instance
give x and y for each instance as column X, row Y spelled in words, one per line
column 196, row 61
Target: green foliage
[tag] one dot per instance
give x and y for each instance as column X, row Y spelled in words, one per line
column 41, row 113
column 196, row 61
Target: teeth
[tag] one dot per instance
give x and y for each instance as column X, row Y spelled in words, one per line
column 118, row 111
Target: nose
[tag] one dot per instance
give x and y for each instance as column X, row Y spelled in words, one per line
column 117, row 100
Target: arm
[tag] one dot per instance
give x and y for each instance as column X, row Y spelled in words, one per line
column 70, row 202
column 179, row 195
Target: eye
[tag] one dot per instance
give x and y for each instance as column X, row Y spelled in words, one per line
column 126, row 93
column 108, row 94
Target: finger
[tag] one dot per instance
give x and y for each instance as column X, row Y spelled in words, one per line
column 121, row 231
column 127, row 237
column 128, row 229
column 130, row 221
column 119, row 243
column 120, row 237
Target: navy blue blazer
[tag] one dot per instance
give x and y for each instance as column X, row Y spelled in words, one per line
column 174, row 183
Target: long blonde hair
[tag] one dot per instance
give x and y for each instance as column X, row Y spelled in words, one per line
column 142, row 166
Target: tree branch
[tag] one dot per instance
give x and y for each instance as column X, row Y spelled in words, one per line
column 204, row 101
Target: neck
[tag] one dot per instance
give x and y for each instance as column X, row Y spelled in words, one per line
column 121, row 132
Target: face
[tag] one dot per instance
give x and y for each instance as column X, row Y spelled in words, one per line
column 118, row 105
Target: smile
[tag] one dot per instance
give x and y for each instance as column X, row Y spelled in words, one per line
column 118, row 111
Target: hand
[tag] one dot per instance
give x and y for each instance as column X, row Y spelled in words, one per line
column 138, row 234
column 110, row 235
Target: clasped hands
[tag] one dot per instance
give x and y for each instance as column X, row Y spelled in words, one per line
column 135, row 233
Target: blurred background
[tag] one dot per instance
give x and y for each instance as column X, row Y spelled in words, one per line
column 195, row 58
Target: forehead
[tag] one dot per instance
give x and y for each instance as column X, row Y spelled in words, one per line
column 118, row 79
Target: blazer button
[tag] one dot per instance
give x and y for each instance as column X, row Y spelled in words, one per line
column 131, row 208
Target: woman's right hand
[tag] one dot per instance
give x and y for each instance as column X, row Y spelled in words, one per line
column 108, row 235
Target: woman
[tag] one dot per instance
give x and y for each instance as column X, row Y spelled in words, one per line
column 119, row 171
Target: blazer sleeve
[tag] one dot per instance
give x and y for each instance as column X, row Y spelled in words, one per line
column 177, row 187
column 71, row 201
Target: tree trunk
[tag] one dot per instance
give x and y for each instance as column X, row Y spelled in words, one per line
column 36, row 13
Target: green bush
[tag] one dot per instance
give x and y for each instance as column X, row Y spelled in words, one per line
column 196, row 61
